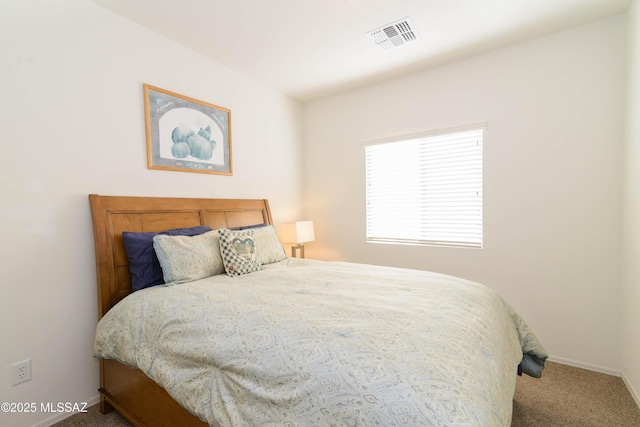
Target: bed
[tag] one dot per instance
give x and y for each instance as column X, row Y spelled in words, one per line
column 296, row 342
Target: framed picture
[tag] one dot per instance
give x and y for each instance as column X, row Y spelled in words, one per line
column 184, row 134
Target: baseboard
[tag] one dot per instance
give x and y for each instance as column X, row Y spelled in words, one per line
column 632, row 390
column 587, row 366
column 64, row 415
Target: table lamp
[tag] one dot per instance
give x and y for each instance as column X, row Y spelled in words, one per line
column 297, row 233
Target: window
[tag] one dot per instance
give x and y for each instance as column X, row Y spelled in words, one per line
column 426, row 189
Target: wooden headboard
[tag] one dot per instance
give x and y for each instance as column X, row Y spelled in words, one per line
column 111, row 215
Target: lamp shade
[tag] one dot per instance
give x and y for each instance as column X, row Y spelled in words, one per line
column 297, row 232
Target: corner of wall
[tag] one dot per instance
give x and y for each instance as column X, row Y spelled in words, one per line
column 632, row 390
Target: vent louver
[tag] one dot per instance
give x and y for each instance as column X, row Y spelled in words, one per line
column 395, row 34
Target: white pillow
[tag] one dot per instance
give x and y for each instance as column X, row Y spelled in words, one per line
column 268, row 246
column 187, row 258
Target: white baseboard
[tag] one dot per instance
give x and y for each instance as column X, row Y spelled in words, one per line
column 63, row 415
column 587, row 366
column 633, row 391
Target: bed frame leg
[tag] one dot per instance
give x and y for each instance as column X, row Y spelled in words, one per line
column 105, row 407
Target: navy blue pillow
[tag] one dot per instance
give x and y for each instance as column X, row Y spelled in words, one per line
column 248, row 227
column 143, row 263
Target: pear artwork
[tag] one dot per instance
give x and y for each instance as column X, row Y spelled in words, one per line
column 188, row 143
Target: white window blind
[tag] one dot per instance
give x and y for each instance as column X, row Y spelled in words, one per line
column 426, row 190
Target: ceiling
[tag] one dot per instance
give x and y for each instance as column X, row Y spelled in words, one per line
column 309, row 49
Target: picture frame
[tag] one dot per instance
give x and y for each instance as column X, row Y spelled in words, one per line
column 186, row 134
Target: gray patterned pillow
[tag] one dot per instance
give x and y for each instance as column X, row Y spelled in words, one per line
column 187, row 258
column 238, row 249
column 268, row 246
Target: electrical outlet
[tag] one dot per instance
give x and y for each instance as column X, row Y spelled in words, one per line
column 21, row 372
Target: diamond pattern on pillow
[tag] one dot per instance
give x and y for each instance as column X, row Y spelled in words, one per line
column 238, row 249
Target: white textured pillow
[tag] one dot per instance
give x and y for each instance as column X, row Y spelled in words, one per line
column 187, row 258
column 238, row 249
column 268, row 246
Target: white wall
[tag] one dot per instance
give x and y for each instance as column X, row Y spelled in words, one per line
column 631, row 213
column 552, row 182
column 72, row 123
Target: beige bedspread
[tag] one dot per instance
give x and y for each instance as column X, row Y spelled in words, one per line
column 312, row 343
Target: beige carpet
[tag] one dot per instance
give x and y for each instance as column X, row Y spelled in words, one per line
column 568, row 396
column 564, row 397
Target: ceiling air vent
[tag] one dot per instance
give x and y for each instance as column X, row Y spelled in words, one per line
column 395, row 34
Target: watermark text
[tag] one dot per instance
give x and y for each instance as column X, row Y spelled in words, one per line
column 43, row 407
